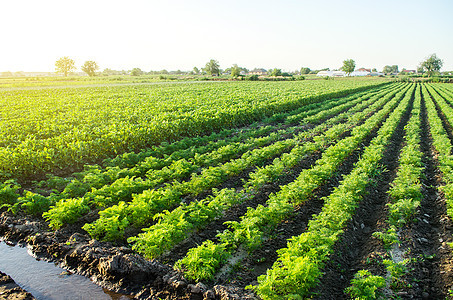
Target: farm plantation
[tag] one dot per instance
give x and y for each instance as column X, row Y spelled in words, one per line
column 323, row 189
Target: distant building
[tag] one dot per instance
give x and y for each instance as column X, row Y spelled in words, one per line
column 357, row 73
column 409, row 71
column 258, row 72
column 374, row 74
column 361, row 72
column 331, row 73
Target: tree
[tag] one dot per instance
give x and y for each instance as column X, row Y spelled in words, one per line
column 305, row 71
column 212, row 67
column 390, row 69
column 196, row 71
column 348, row 66
column 136, row 72
column 245, row 70
column 64, row 65
column 275, row 72
column 235, row 71
column 374, row 70
column 108, row 72
column 432, row 64
column 90, row 67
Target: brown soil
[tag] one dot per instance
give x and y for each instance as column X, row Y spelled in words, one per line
column 9, row 290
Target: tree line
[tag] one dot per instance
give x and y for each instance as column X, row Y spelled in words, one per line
column 431, row 66
column 65, row 65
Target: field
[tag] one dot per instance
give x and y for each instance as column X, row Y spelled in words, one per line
column 326, row 189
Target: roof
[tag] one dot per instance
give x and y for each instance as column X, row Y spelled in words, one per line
column 258, row 70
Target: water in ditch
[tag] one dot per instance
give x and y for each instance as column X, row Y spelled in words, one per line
column 46, row 281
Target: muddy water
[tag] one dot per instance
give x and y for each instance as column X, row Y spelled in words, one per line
column 45, row 280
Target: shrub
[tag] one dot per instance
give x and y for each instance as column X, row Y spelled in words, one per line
column 365, row 286
column 252, row 78
column 8, row 193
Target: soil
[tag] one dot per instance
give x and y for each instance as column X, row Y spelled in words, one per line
column 9, row 290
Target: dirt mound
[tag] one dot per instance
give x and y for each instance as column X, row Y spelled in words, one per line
column 10, row 290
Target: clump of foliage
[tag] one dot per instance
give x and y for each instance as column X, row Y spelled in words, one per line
column 8, row 193
column 65, row 212
column 365, row 286
column 208, row 253
column 389, row 238
column 397, row 270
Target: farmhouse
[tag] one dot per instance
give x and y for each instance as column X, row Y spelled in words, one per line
column 258, row 72
column 331, row 73
column 360, row 73
column 363, row 70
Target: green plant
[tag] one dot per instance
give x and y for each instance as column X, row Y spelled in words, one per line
column 209, row 254
column 8, row 193
column 397, row 270
column 388, row 238
column 365, row 286
column 34, row 204
column 65, row 212
column 402, row 212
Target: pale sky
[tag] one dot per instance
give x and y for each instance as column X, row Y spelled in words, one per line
column 287, row 34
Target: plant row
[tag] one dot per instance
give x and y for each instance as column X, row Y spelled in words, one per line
column 48, row 129
column 441, row 142
column 262, row 220
column 149, row 201
column 299, row 265
column 140, row 164
column 405, row 192
column 109, row 226
column 405, row 196
column 173, row 227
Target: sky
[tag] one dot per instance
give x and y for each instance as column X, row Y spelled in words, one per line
column 178, row 34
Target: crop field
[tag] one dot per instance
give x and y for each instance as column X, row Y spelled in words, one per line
column 323, row 189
